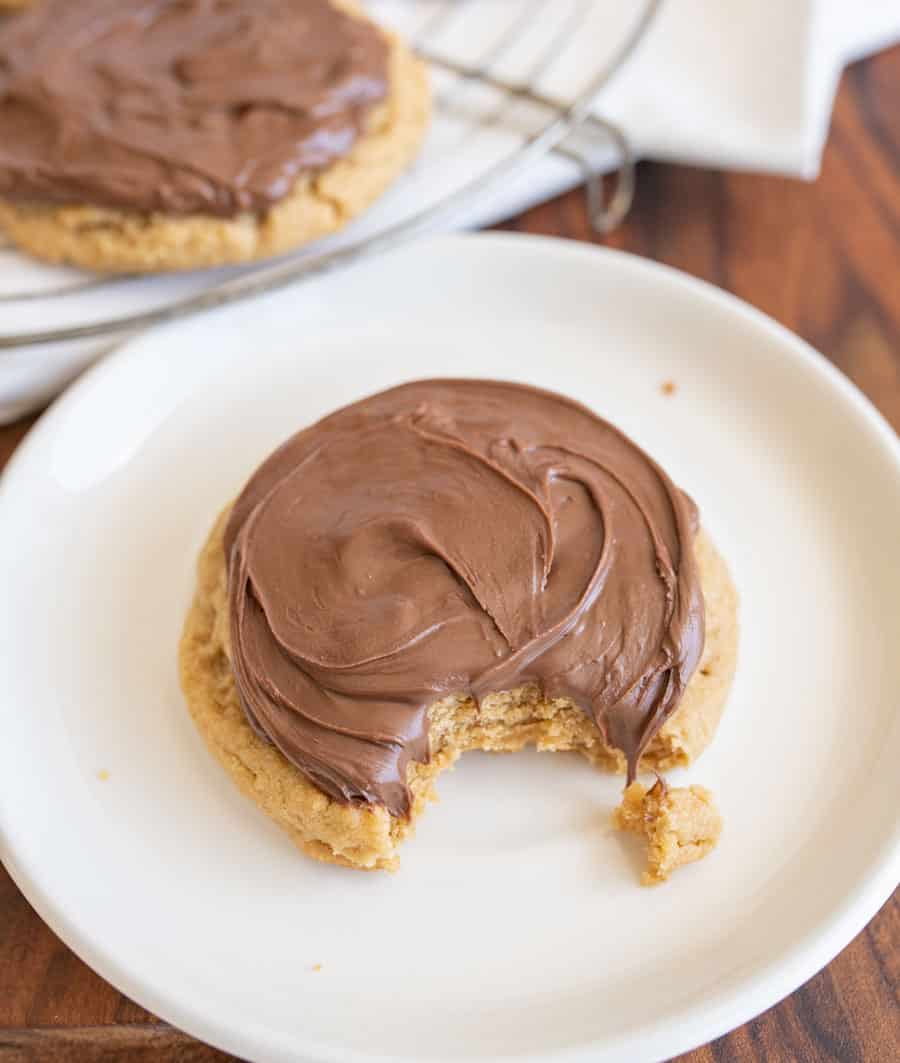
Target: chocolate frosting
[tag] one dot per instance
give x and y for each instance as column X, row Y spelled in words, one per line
column 209, row 106
column 455, row 536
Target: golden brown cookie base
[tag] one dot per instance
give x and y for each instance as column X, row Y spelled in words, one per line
column 681, row 825
column 110, row 240
column 368, row 837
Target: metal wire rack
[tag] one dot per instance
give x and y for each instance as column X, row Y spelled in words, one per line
column 551, row 127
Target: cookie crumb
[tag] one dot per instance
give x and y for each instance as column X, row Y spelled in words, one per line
column 317, row 967
column 668, row 387
column 681, row 825
column 103, row 775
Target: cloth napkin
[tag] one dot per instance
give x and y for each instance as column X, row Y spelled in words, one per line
column 742, row 84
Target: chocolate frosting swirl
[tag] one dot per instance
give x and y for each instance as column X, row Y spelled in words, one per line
column 455, row 536
column 209, row 106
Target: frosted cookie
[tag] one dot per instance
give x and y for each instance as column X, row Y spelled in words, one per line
column 142, row 135
column 450, row 565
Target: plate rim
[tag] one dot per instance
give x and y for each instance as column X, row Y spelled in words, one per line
column 697, row 1024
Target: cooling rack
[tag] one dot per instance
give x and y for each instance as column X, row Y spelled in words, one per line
column 491, row 62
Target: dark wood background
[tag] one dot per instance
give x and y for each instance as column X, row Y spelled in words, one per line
column 824, row 259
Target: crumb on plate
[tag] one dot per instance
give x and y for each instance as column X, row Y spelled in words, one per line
column 681, row 824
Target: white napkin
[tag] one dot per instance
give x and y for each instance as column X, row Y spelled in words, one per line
column 746, row 84
column 734, row 84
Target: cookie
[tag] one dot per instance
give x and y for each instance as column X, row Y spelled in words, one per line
column 368, row 837
column 442, row 566
column 108, row 237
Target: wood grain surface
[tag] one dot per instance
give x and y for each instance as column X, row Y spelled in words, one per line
column 823, row 259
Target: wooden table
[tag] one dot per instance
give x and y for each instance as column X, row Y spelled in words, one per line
column 823, row 259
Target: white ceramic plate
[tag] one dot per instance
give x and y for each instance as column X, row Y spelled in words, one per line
column 516, row 927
